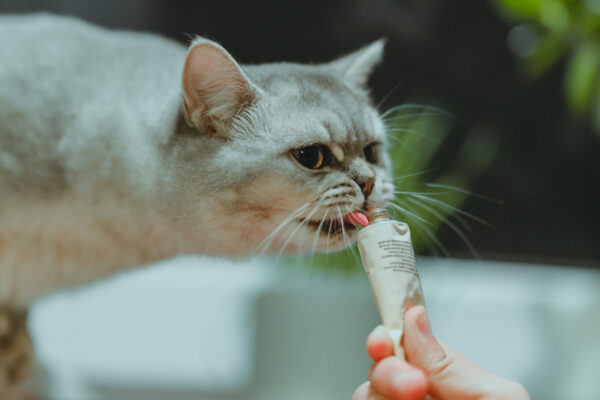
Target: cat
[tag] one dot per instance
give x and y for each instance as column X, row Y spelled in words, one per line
column 118, row 149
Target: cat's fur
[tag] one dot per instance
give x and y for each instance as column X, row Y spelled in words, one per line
column 118, row 149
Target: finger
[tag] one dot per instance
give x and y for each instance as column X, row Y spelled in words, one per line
column 449, row 374
column 379, row 344
column 366, row 392
column 362, row 392
column 399, row 380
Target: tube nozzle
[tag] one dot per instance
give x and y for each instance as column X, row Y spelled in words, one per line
column 377, row 214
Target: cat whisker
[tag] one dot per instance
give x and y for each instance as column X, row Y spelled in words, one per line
column 339, row 211
column 351, row 248
column 463, row 191
column 405, row 211
column 328, row 237
column 398, row 140
column 448, row 207
column 421, row 193
column 445, row 216
column 286, row 221
column 449, row 224
column 403, row 130
column 266, row 242
column 320, row 203
column 344, row 236
column 434, row 240
column 427, row 231
column 316, row 240
column 398, row 178
column 413, row 118
column 410, row 132
column 291, row 236
column 410, row 106
column 389, row 94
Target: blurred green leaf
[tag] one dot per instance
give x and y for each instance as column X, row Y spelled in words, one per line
column 522, row 8
column 596, row 111
column 565, row 27
column 478, row 151
column 590, row 25
column 415, row 133
column 554, row 15
column 414, row 139
column 582, row 77
column 550, row 49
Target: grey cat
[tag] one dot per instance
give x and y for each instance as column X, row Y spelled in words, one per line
column 118, row 149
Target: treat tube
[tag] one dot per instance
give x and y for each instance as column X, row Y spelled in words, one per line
column 389, row 261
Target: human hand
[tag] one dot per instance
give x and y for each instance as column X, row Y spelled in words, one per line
column 433, row 368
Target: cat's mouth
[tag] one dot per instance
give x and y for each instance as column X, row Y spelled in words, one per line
column 330, row 226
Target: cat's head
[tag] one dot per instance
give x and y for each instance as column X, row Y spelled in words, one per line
column 280, row 153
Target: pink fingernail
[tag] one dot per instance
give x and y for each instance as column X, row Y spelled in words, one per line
column 380, row 331
column 404, row 380
column 423, row 323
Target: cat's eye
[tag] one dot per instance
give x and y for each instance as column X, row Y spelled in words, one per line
column 371, row 153
column 312, row 157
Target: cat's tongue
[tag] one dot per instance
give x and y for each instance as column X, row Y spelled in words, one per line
column 356, row 218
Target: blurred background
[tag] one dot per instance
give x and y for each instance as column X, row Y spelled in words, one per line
column 518, row 77
column 495, row 139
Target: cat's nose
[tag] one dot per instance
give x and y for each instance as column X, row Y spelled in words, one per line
column 366, row 185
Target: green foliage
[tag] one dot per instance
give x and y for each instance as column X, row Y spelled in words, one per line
column 582, row 76
column 566, row 29
column 415, row 134
column 522, row 8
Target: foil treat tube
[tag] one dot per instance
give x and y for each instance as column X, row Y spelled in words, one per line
column 389, row 261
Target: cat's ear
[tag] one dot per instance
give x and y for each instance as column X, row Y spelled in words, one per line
column 215, row 89
column 357, row 66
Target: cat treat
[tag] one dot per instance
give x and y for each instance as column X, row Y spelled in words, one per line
column 389, row 261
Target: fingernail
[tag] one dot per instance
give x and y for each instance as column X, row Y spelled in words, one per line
column 423, row 324
column 402, row 381
column 380, row 331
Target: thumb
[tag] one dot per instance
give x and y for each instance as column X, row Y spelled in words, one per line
column 450, row 375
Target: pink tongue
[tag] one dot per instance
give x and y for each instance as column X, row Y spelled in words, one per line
column 356, row 218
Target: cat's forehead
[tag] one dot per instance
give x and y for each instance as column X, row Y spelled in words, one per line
column 313, row 104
